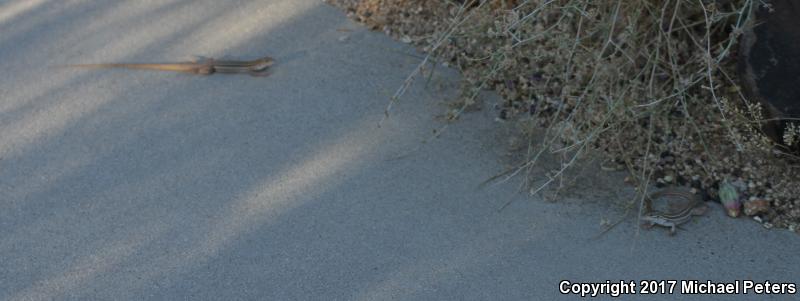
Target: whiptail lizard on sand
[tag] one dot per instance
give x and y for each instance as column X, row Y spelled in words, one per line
column 692, row 207
column 204, row 67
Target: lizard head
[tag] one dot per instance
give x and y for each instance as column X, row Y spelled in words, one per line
column 262, row 64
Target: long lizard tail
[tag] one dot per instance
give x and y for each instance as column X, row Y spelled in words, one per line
column 177, row 67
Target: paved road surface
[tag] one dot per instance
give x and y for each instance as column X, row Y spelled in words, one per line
column 135, row 185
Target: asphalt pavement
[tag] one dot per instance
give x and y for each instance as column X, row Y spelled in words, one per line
column 143, row 185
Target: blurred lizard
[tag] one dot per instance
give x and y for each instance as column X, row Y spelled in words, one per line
column 203, row 67
column 672, row 219
column 693, row 206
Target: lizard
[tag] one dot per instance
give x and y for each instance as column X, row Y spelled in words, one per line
column 204, row 67
column 673, row 219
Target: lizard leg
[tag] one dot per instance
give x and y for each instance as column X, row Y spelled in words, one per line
column 205, row 70
column 672, row 230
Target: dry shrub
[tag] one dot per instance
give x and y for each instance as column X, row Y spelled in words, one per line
column 649, row 83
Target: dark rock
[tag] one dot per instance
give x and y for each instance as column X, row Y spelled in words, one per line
column 769, row 62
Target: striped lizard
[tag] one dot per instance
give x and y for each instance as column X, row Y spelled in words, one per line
column 204, row 67
column 672, row 220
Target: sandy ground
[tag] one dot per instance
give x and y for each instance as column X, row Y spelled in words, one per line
column 136, row 185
